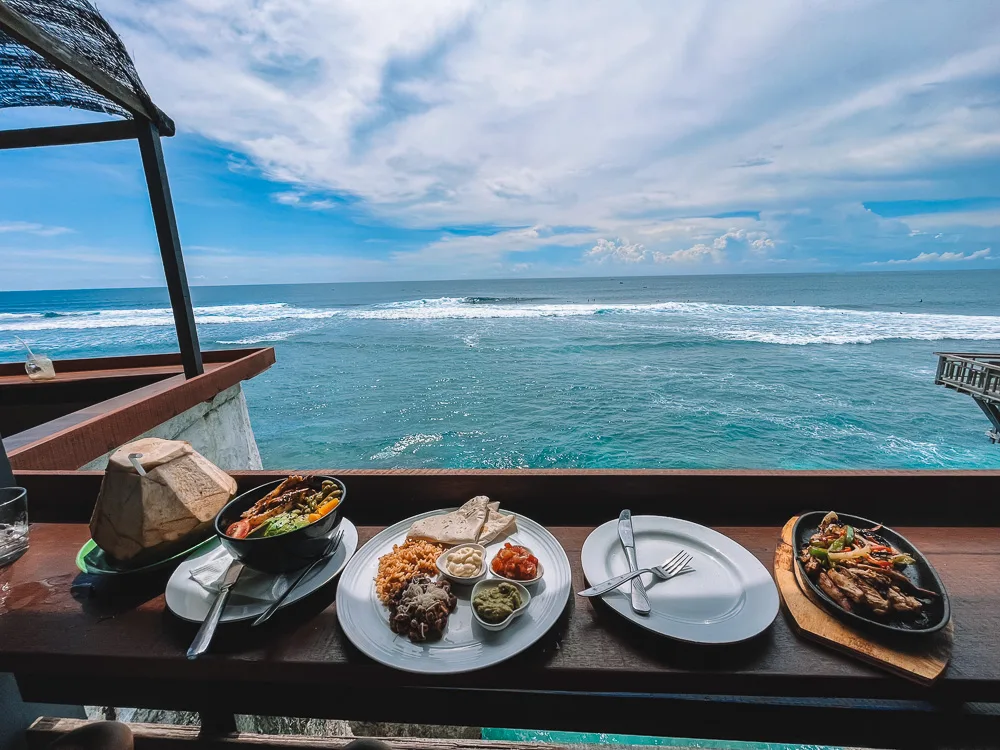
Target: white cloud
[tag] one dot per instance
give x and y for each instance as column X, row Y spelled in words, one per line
column 27, row 227
column 692, row 254
column 615, row 117
column 617, row 250
column 754, row 243
column 304, row 201
column 988, row 218
column 946, row 257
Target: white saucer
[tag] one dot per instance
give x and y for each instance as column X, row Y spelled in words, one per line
column 254, row 591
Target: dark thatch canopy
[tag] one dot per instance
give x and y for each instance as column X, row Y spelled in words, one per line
column 28, row 79
column 62, row 53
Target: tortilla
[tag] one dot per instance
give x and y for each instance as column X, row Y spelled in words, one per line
column 459, row 526
column 497, row 524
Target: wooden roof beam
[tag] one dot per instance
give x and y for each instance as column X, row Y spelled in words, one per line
column 38, row 40
column 65, row 135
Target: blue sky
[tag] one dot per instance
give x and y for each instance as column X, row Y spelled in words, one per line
column 326, row 141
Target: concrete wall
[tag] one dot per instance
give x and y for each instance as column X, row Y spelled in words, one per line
column 218, row 429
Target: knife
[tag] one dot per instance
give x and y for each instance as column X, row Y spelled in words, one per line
column 204, row 637
column 640, row 602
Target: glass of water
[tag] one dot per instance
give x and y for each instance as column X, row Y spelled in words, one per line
column 13, row 523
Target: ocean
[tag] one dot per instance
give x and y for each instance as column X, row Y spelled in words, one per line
column 811, row 371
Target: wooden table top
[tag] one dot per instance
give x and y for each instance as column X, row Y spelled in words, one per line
column 52, row 623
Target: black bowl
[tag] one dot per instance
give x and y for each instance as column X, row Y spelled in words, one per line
column 285, row 552
column 921, row 573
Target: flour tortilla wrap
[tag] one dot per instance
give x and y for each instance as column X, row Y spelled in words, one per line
column 459, row 526
column 497, row 524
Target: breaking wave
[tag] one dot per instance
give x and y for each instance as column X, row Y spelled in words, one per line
column 768, row 324
column 144, row 318
column 264, row 338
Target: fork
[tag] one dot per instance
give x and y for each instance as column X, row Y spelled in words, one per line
column 675, row 566
column 331, row 547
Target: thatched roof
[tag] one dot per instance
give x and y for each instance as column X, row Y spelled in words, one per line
column 63, row 53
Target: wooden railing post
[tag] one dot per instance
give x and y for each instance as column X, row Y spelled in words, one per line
column 170, row 247
column 6, row 473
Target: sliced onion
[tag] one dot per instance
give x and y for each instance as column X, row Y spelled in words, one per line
column 853, row 554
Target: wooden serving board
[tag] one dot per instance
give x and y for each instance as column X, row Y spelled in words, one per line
column 922, row 660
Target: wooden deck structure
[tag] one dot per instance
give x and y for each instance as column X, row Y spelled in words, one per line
column 93, row 406
column 66, row 54
column 976, row 375
column 72, row 638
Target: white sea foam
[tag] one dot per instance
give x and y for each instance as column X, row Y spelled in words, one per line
column 264, row 338
column 405, row 444
column 795, row 325
column 770, row 324
column 144, row 318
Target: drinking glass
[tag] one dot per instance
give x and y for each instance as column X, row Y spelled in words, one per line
column 13, row 523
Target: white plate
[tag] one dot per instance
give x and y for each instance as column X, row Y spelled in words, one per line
column 730, row 597
column 465, row 645
column 190, row 601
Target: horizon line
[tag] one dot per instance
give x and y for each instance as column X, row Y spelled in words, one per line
column 852, row 272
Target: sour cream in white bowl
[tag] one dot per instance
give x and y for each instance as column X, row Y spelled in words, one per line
column 464, row 563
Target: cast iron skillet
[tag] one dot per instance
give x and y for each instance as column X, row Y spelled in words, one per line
column 285, row 552
column 935, row 615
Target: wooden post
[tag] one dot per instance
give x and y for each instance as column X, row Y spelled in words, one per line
column 215, row 723
column 6, row 474
column 170, row 246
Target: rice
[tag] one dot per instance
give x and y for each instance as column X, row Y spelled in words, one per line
column 411, row 558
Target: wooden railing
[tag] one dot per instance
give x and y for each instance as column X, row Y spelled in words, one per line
column 85, row 433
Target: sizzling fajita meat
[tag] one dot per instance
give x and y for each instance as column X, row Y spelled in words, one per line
column 847, row 585
column 858, row 569
column 833, row 592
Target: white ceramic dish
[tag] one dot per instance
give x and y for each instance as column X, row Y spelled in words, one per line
column 729, row 597
column 254, row 591
column 496, row 627
column 463, row 580
column 464, row 646
column 532, row 582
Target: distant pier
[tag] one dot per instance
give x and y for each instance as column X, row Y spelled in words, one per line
column 977, row 375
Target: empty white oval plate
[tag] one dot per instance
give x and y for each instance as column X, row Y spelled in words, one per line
column 729, row 597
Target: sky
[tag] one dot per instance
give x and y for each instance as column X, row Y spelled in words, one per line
column 367, row 140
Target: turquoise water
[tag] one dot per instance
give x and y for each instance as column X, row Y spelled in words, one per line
column 634, row 740
column 783, row 371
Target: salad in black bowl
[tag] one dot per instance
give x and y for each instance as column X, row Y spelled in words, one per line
column 283, row 525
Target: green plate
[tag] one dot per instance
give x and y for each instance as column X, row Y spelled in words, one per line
column 91, row 559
